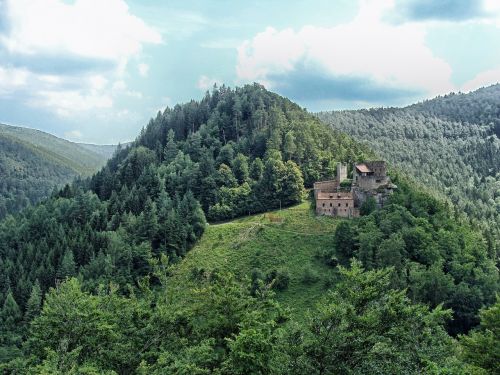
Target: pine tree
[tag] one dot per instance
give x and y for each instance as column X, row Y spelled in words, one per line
column 67, row 268
column 240, row 168
column 148, row 221
column 11, row 314
column 34, row 303
column 171, row 148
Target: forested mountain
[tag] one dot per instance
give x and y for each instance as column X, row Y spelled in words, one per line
column 450, row 144
column 33, row 163
column 106, row 151
column 98, row 278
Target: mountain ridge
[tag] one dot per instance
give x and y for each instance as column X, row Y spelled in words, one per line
column 33, row 163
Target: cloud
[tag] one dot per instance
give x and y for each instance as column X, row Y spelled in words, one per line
column 439, row 10
column 206, row 83
column 12, row 79
column 143, row 69
column 67, row 102
column 308, row 84
column 483, row 79
column 88, row 28
column 62, row 55
column 389, row 57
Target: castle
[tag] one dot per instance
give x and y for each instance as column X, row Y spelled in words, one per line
column 343, row 198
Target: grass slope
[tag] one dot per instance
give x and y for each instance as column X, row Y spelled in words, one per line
column 290, row 239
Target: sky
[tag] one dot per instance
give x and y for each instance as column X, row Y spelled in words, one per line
column 96, row 71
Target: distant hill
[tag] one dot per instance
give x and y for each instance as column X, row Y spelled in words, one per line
column 32, row 163
column 106, row 151
column 450, row 143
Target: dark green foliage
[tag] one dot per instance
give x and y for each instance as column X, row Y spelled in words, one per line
column 238, row 151
column 439, row 260
column 364, row 327
column 345, row 241
column 278, row 279
column 368, row 206
column 310, row 276
column 482, row 346
column 10, row 329
column 360, row 327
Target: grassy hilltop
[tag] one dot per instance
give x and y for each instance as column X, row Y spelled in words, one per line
column 289, row 240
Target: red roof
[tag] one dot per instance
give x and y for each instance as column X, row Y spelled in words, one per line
column 363, row 168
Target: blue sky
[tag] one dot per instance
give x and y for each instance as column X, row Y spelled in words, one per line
column 97, row 70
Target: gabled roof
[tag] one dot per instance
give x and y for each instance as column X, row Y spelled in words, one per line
column 363, row 168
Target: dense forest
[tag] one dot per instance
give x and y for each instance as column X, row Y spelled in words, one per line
column 33, row 163
column 86, row 276
column 450, row 144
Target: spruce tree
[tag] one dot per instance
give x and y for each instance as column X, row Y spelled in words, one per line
column 11, row 314
column 67, row 268
column 34, row 303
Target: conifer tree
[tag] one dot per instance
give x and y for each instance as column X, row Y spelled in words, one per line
column 67, row 268
column 171, row 148
column 11, row 314
column 34, row 303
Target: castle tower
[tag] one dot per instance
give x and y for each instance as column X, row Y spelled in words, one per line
column 341, row 172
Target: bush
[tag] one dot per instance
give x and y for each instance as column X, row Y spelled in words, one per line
column 310, row 276
column 279, row 279
column 368, row 206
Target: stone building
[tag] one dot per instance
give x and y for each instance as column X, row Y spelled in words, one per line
column 343, row 198
column 332, row 198
column 339, row 204
column 370, row 175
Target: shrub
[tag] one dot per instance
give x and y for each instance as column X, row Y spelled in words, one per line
column 310, row 276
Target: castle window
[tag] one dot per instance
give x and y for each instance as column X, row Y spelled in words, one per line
column 323, row 205
column 331, row 205
column 347, row 204
column 339, row 204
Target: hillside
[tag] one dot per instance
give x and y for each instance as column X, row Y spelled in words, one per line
column 134, row 280
column 33, row 163
column 289, row 242
column 105, row 151
column 449, row 144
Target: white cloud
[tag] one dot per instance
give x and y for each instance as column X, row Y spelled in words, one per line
column 483, row 79
column 12, row 79
column 390, row 55
column 492, row 7
column 82, row 30
column 206, row 83
column 143, row 69
column 67, row 102
column 87, row 28
column 120, row 88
